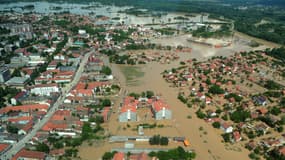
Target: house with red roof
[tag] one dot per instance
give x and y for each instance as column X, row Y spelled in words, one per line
column 18, row 96
column 119, row 156
column 226, row 127
column 161, row 110
column 281, row 151
column 52, row 65
column 236, row 136
column 49, row 126
column 20, row 120
column 140, row 156
column 128, row 113
column 27, row 128
column 84, row 92
column 29, row 155
column 4, row 147
column 25, row 108
column 57, row 152
column 65, row 74
column 106, row 113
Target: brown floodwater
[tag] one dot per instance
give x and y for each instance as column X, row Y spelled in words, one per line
column 204, row 139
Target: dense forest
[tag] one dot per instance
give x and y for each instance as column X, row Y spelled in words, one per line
column 259, row 18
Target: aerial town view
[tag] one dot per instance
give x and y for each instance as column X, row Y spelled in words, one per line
column 142, row 80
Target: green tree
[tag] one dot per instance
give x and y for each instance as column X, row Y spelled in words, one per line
column 215, row 89
column 216, row 125
column 239, row 115
column 149, row 94
column 164, row 141
column 42, row 147
column 155, row 140
column 12, row 129
column 106, row 70
column 16, row 73
column 106, row 102
column 86, row 131
column 226, row 137
column 108, row 155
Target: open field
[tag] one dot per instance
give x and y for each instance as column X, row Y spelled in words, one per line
column 132, row 73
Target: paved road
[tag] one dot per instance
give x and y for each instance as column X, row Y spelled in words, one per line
column 18, row 146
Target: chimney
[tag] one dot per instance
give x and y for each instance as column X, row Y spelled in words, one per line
column 163, row 112
column 129, row 114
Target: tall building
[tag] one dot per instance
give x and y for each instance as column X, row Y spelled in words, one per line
column 4, row 74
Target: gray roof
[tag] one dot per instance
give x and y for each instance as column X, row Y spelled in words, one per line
column 17, row 80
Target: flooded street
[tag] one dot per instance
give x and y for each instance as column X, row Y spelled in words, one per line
column 205, row 140
column 203, row 137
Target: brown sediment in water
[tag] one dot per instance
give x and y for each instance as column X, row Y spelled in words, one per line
column 204, row 139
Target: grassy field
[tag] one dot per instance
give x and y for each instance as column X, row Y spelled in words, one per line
column 132, row 73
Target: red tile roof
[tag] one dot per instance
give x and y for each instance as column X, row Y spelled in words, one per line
column 29, row 154
column 237, row 136
column 3, row 146
column 28, row 126
column 282, row 151
column 80, row 86
column 25, row 108
column 105, row 112
column 20, row 94
column 57, row 152
column 262, row 110
column 84, row 92
column 159, row 105
column 141, row 156
column 64, row 74
column 59, row 115
column 130, row 107
column 51, row 126
column 81, row 108
column 93, row 85
column 128, row 100
column 45, row 85
column 119, row 156
column 24, row 118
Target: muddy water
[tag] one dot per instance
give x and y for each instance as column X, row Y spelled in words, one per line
column 206, row 142
column 207, row 146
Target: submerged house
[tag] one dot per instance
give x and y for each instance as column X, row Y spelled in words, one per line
column 161, row 110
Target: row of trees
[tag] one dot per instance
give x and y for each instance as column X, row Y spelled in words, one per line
column 158, row 140
column 146, row 94
column 177, row 153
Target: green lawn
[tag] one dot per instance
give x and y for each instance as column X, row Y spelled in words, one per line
column 132, row 73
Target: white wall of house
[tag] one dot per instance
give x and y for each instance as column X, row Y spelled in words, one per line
column 127, row 116
column 163, row 114
column 44, row 91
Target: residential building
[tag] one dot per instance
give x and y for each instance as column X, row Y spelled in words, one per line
column 4, row 74
column 20, row 61
column 119, row 156
column 4, row 147
column 25, row 108
column 227, row 128
column 161, row 110
column 35, row 59
column 45, row 89
column 24, row 154
column 17, row 81
column 128, row 113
